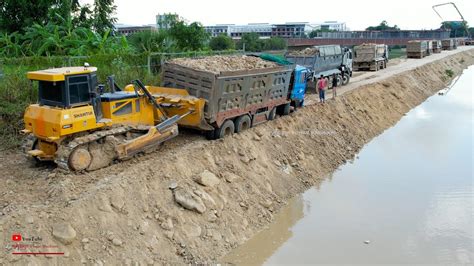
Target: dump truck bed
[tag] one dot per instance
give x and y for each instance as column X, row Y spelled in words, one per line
column 230, row 93
column 369, row 52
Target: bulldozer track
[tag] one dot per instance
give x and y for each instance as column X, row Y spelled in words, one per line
column 64, row 151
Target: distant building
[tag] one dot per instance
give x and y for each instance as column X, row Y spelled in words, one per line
column 129, row 30
column 223, row 29
column 331, row 25
column 290, row 29
column 264, row 30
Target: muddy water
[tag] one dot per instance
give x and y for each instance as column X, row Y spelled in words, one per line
column 409, row 192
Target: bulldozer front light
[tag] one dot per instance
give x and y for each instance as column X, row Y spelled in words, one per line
column 67, row 126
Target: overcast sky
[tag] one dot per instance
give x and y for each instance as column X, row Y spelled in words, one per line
column 358, row 14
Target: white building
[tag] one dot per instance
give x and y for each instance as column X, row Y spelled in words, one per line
column 331, row 25
column 264, row 30
column 220, row 29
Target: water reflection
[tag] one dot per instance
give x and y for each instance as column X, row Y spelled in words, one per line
column 259, row 248
column 410, row 193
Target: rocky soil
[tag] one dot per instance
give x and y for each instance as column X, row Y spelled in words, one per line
column 218, row 63
column 194, row 200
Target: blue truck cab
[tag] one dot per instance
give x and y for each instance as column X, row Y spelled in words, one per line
column 298, row 86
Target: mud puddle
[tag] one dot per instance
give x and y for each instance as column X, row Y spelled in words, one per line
column 407, row 198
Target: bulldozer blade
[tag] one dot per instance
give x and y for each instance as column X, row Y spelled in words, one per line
column 151, row 139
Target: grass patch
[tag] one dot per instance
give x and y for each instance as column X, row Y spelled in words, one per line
column 397, row 53
column 449, row 73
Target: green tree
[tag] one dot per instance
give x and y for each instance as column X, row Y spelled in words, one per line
column 251, row 42
column 152, row 41
column 165, row 21
column 383, row 26
column 274, row 43
column 458, row 28
column 222, row 42
column 83, row 16
column 15, row 15
column 190, row 37
column 103, row 15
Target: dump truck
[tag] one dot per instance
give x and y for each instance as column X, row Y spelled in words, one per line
column 417, row 49
column 370, row 57
column 448, row 44
column 237, row 100
column 436, row 46
column 324, row 60
column 80, row 127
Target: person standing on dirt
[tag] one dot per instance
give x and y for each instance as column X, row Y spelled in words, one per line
column 334, row 85
column 321, row 87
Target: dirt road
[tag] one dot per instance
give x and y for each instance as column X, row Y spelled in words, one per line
column 223, row 191
column 395, row 67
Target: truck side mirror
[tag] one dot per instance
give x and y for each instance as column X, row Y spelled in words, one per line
column 101, row 88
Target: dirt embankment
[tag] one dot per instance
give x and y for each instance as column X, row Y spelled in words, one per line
column 127, row 213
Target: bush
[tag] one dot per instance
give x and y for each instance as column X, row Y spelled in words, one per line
column 221, row 43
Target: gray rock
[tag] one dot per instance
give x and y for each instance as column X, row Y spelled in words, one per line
column 117, row 202
column 267, row 203
column 208, row 199
column 207, row 179
column 168, row 224
column 173, row 185
column 188, row 200
column 64, row 233
column 117, row 242
column 104, row 204
column 231, row 177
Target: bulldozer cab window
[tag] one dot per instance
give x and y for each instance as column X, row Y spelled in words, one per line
column 78, row 90
column 51, row 93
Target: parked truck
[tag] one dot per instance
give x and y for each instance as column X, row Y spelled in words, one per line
column 324, row 60
column 436, row 46
column 237, row 100
column 448, row 44
column 417, row 49
column 370, row 57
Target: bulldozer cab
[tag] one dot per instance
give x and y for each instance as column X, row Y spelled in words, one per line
column 68, row 87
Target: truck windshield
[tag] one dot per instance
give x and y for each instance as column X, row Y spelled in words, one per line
column 51, row 93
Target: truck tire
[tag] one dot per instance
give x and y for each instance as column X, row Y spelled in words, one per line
column 242, row 123
column 226, row 129
column 272, row 114
column 339, row 80
column 286, row 109
column 345, row 79
column 211, row 134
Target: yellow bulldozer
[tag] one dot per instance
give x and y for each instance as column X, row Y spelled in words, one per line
column 80, row 127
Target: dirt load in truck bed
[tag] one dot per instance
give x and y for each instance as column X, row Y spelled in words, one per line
column 310, row 51
column 218, row 63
